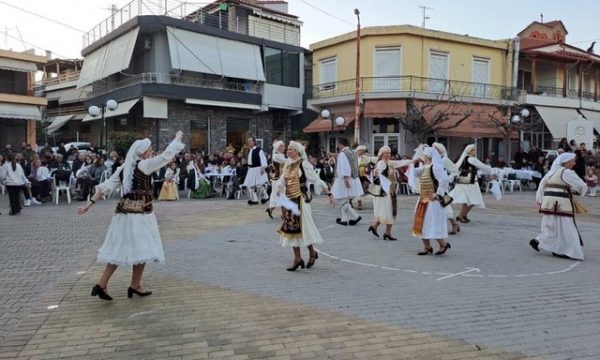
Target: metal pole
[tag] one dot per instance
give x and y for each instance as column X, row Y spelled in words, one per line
column 357, row 84
column 104, row 127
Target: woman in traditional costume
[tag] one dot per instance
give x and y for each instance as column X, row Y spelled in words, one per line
column 560, row 235
column 298, row 228
column 452, row 171
column 430, row 218
column 169, row 188
column 277, row 163
column 202, row 187
column 466, row 191
column 133, row 237
column 364, row 166
column 385, row 205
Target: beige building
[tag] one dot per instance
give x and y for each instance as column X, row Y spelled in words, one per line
column 406, row 67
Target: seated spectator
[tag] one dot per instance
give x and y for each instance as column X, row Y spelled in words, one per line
column 202, row 187
column 169, row 188
column 93, row 174
column 501, row 163
column 40, row 182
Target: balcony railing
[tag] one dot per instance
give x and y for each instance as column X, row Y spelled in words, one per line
column 418, row 84
column 289, row 34
column 61, row 78
column 561, row 92
column 67, row 110
column 175, row 79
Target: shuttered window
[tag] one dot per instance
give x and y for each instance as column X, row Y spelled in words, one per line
column 438, row 72
column 387, row 68
column 481, row 77
column 328, row 73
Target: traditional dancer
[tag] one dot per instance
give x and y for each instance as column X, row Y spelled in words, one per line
column 430, row 218
column 385, row 205
column 363, row 163
column 466, row 191
column 277, row 163
column 257, row 175
column 298, row 228
column 347, row 184
column 133, row 237
column 560, row 235
column 452, row 172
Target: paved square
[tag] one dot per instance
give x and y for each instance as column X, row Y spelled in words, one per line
column 224, row 291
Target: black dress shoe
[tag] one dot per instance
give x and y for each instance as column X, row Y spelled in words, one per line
column 297, row 265
column 445, row 248
column 99, row 291
column 131, row 291
column 426, row 252
column 262, row 201
column 389, row 237
column 339, row 221
column 534, row 244
column 373, row 231
column 269, row 212
column 311, row 260
column 461, row 219
column 250, row 202
column 354, row 222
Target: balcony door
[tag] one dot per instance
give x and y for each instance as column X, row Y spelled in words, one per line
column 391, row 139
column 481, row 77
column 387, row 68
column 438, row 72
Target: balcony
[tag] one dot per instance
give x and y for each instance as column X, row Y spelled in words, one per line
column 412, row 85
column 280, row 32
column 62, row 78
column 67, row 110
column 561, row 92
column 179, row 80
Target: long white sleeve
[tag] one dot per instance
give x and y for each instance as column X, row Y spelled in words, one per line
column 263, row 159
column 380, row 167
column 574, row 181
column 279, row 158
column 451, row 167
column 400, row 163
column 486, row 169
column 313, row 177
column 342, row 168
column 112, row 183
column 442, row 178
column 149, row 166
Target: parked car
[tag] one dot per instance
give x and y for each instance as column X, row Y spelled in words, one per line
column 550, row 155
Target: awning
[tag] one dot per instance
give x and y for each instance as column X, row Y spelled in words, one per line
column 556, row 119
column 322, row 125
column 385, row 108
column 17, row 65
column 122, row 109
column 109, row 59
column 477, row 123
column 593, row 116
column 213, row 55
column 222, row 104
column 20, row 111
column 157, row 108
column 68, row 95
column 58, row 122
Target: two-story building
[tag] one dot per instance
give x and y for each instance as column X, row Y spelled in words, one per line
column 558, row 83
column 229, row 70
column 19, row 101
column 407, row 66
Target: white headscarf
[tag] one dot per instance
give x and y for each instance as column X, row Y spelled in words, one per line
column 277, row 145
column 361, row 148
column 464, row 154
column 133, row 155
column 440, row 147
column 383, row 150
column 557, row 163
column 298, row 147
column 437, row 166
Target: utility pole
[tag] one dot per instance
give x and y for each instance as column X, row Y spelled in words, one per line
column 425, row 17
column 357, row 84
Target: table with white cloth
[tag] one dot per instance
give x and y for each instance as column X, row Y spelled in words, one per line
column 526, row 174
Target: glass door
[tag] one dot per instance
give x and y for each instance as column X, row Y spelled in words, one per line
column 391, row 140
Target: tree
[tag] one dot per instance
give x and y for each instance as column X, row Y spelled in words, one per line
column 508, row 126
column 425, row 118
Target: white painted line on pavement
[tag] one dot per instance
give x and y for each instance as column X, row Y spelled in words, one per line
column 459, row 274
column 326, row 227
column 52, row 307
column 80, row 272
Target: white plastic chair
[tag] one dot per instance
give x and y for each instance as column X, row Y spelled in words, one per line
column 62, row 186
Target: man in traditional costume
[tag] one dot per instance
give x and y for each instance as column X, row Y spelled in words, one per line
column 560, row 235
column 257, row 174
column 347, row 184
column 452, row 172
column 277, row 162
column 133, row 237
column 364, row 167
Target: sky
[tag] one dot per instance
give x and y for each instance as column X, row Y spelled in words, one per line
column 491, row 19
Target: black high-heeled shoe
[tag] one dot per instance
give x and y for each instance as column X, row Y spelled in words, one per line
column 296, row 265
column 453, row 232
column 388, row 237
column 131, row 291
column 534, row 244
column 442, row 252
column 465, row 218
column 373, row 231
column 269, row 212
column 97, row 290
column 461, row 219
column 426, row 252
column 311, row 260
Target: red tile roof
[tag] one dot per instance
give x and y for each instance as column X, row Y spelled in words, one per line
column 532, row 43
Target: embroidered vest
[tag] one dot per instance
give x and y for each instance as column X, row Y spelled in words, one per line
column 351, row 156
column 139, row 200
column 467, row 173
column 295, row 185
column 557, row 198
column 428, row 185
column 362, row 165
column 255, row 157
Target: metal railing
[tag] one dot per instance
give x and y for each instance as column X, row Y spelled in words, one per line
column 281, row 32
column 560, row 92
column 177, row 79
column 61, row 78
column 418, row 84
column 66, row 110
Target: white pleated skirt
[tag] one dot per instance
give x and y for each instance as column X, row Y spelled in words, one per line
column 469, row 194
column 560, row 235
column 382, row 209
column 132, row 239
column 340, row 191
column 435, row 224
column 255, row 178
column 310, row 233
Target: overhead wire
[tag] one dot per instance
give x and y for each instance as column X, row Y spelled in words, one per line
column 328, row 13
column 42, row 16
column 35, row 46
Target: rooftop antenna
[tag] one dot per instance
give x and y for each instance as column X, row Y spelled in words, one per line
column 542, row 17
column 425, row 17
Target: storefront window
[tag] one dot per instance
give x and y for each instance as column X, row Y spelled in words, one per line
column 199, row 135
column 237, row 132
column 282, row 67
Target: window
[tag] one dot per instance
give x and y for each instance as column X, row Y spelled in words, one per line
column 387, row 68
column 282, row 67
column 328, row 73
column 481, row 77
column 438, row 72
column 237, row 132
column 199, row 135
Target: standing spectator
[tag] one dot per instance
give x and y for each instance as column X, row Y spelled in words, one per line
column 591, row 181
column 579, row 164
column 563, row 144
column 62, row 150
column 14, row 178
column 169, row 187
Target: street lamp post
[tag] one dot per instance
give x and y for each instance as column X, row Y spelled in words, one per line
column 357, row 84
column 338, row 122
column 95, row 110
column 515, row 120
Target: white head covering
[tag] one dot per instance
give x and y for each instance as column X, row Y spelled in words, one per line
column 361, row 148
column 465, row 153
column 277, row 145
column 556, row 164
column 133, row 155
column 298, row 147
column 382, row 150
column 440, row 147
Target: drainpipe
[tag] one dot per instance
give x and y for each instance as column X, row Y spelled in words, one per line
column 516, row 49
